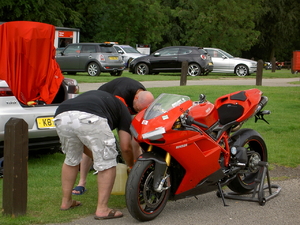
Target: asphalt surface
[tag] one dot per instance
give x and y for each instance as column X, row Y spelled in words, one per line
column 208, row 209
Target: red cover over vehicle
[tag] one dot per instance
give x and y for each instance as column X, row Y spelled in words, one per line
column 27, row 60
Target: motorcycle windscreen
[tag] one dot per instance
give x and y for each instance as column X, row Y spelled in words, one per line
column 163, row 103
column 27, row 60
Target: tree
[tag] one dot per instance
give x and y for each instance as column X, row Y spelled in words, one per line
column 52, row 12
column 226, row 24
column 125, row 21
column 280, row 28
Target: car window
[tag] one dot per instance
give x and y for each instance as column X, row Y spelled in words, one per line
column 88, row 49
column 214, row 53
column 226, row 53
column 169, row 51
column 117, row 48
column 106, row 49
column 130, row 50
column 72, row 49
column 184, row 51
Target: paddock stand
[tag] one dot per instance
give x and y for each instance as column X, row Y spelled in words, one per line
column 258, row 189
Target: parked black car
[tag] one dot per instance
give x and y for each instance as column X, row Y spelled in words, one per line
column 169, row 59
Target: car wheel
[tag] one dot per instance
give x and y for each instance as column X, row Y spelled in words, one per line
column 93, row 69
column 241, row 70
column 117, row 74
column 142, row 69
column 194, row 70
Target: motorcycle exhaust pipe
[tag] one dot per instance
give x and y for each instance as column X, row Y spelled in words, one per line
column 262, row 103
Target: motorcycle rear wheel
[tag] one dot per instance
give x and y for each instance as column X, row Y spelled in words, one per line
column 142, row 201
column 256, row 150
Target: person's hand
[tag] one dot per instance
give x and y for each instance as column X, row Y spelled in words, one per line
column 128, row 170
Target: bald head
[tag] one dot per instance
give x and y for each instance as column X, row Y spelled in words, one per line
column 142, row 100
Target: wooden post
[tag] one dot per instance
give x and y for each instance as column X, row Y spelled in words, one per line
column 292, row 67
column 259, row 72
column 184, row 71
column 15, row 167
column 273, row 62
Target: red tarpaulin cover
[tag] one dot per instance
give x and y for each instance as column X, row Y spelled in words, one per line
column 27, row 60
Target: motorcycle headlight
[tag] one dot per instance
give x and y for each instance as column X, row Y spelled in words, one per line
column 155, row 134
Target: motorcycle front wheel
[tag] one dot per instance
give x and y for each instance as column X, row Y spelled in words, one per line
column 143, row 202
column 256, row 151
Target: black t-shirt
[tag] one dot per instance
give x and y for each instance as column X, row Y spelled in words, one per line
column 102, row 104
column 124, row 87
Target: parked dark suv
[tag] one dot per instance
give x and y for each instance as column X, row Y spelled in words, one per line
column 169, row 59
column 93, row 58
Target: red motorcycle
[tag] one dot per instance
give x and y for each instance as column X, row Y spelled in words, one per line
column 191, row 148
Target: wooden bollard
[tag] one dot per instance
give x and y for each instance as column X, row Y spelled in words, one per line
column 259, row 72
column 184, row 71
column 273, row 62
column 15, row 171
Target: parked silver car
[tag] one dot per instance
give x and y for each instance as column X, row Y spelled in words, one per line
column 41, row 130
column 226, row 63
column 93, row 58
column 128, row 53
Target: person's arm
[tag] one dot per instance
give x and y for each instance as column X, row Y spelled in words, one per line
column 126, row 147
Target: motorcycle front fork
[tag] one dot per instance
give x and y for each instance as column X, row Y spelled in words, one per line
column 160, row 175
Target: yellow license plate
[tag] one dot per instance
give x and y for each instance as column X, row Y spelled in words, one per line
column 45, row 122
column 113, row 57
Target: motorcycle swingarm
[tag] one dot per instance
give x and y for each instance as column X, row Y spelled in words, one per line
column 159, row 175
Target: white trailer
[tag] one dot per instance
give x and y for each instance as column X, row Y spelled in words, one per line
column 65, row 36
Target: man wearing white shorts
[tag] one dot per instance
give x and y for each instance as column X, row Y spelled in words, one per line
column 135, row 96
column 88, row 120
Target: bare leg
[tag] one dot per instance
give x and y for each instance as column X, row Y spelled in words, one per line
column 106, row 179
column 68, row 178
column 136, row 149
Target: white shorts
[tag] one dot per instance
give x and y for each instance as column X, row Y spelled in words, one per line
column 76, row 129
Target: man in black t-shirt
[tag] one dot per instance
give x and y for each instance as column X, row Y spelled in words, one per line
column 88, row 120
column 134, row 95
column 127, row 89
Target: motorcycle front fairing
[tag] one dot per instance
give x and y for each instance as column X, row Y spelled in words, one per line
column 195, row 151
column 159, row 117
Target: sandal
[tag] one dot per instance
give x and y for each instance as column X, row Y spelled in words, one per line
column 111, row 215
column 74, row 204
column 79, row 189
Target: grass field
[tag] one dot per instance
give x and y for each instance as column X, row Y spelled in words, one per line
column 44, row 170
